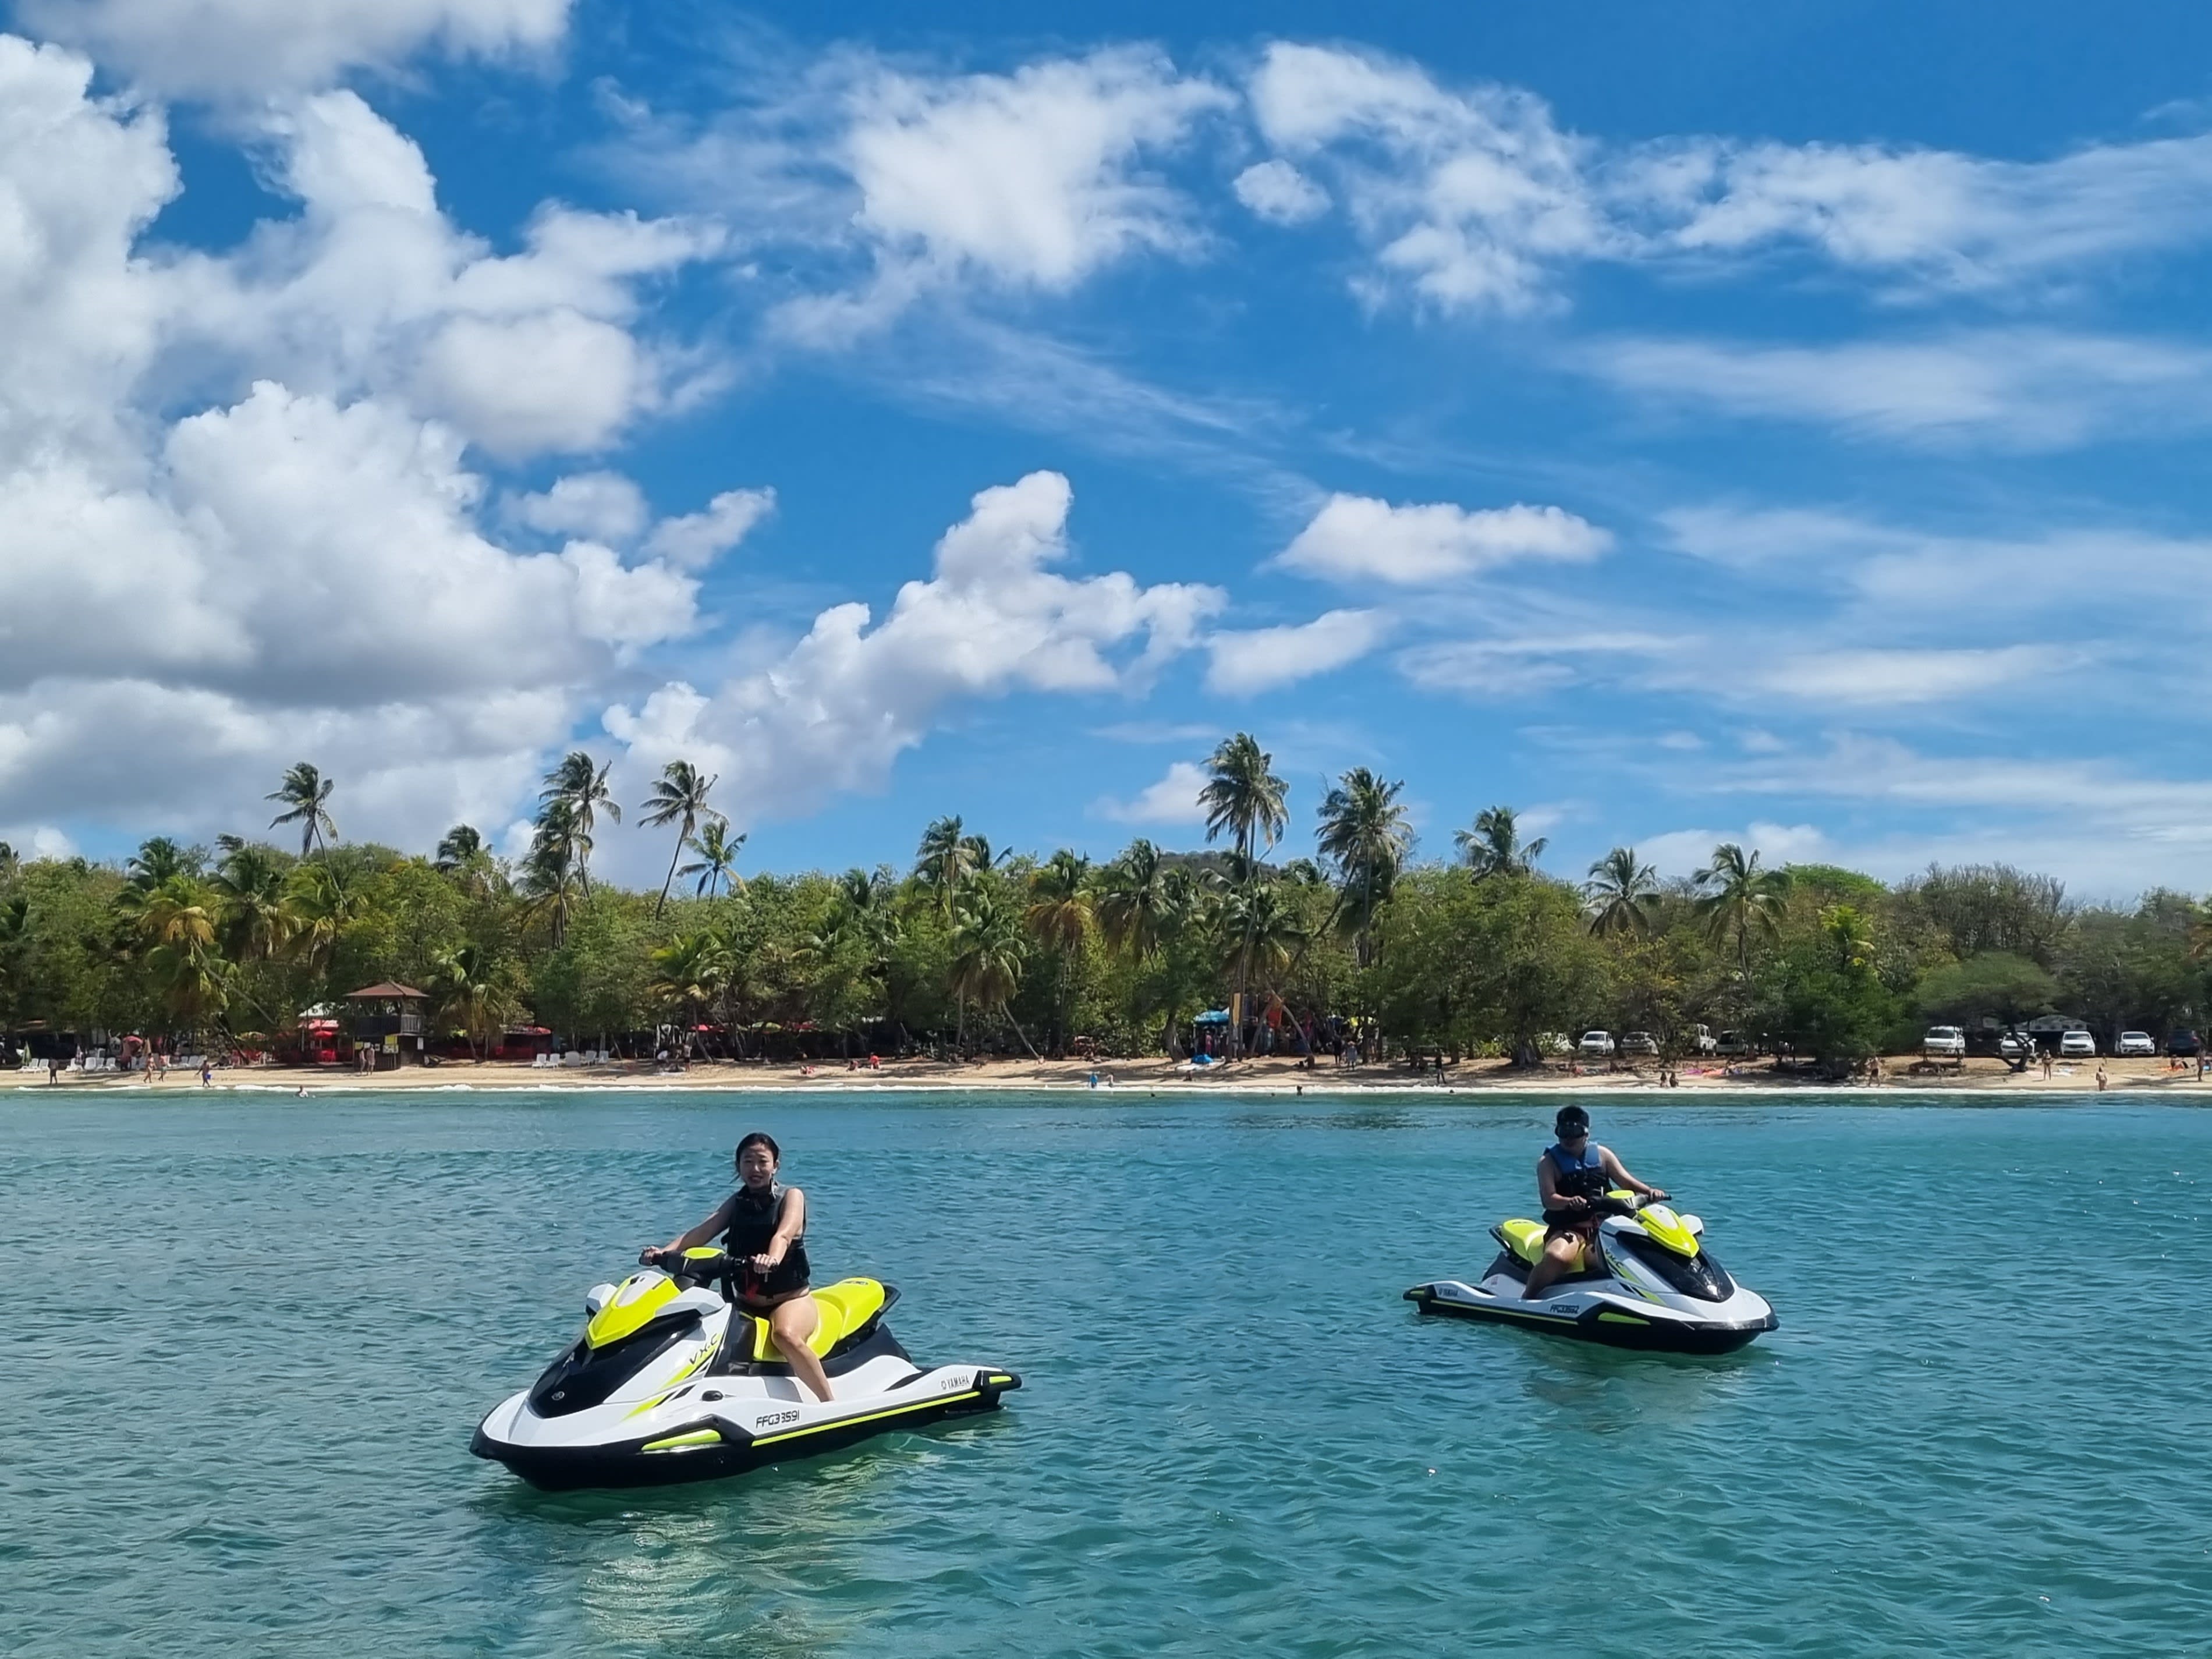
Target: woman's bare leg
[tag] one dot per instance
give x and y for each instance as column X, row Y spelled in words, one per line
column 791, row 1323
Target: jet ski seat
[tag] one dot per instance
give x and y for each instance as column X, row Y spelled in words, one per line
column 1525, row 1239
column 843, row 1308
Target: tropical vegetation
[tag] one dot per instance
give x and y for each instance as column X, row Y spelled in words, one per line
column 969, row 948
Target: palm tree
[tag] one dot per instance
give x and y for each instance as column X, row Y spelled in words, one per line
column 987, row 958
column 552, row 877
column 1619, row 894
column 1262, row 931
column 1364, row 833
column 468, row 993
column 717, row 864
column 459, row 847
column 304, row 793
column 1494, row 847
column 1059, row 918
column 256, row 922
column 680, row 797
column 176, row 922
column 1135, row 905
column 463, row 856
column 945, row 859
column 1849, row 933
column 862, row 916
column 1243, row 796
column 689, row 973
column 580, row 785
column 158, row 859
column 1740, row 899
column 321, row 897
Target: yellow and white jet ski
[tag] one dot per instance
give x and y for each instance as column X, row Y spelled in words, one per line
column 1649, row 1282
column 672, row 1381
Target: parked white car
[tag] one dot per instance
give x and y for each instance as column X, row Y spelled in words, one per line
column 1702, row 1040
column 2077, row 1045
column 1596, row 1045
column 1732, row 1043
column 1640, row 1042
column 2013, row 1046
column 2134, row 1045
column 1944, row 1043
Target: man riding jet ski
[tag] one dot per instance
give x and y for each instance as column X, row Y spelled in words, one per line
column 1608, row 1263
column 670, row 1381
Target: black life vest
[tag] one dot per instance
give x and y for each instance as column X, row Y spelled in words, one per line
column 753, row 1218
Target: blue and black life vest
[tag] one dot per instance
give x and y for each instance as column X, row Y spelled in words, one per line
column 1582, row 1176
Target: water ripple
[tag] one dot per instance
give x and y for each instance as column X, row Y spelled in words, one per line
column 246, row 1339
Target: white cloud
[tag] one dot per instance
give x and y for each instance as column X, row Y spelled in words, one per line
column 698, row 539
column 293, row 571
column 1518, row 666
column 2017, row 388
column 1172, row 800
column 1947, row 221
column 1467, row 199
column 372, row 287
column 1893, row 678
column 1262, row 659
column 836, row 711
column 1031, row 177
column 1279, row 193
column 1359, row 538
column 603, row 507
column 1684, row 852
column 240, row 47
column 38, row 841
column 80, row 178
column 1908, row 574
column 1472, row 198
column 878, row 187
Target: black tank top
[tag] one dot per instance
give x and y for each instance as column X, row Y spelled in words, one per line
column 753, row 1218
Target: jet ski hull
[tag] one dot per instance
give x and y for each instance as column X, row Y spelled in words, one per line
column 708, row 1446
column 1617, row 1324
column 1650, row 1284
column 669, row 1382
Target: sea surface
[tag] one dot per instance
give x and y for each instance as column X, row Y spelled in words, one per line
column 244, row 1339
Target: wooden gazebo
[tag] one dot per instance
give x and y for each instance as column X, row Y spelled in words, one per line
column 393, row 1020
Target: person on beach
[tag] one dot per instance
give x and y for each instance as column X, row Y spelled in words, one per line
column 763, row 1224
column 1570, row 1176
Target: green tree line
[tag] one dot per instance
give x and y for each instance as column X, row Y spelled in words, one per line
column 973, row 947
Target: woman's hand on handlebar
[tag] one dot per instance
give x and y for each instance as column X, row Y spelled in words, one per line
column 1656, row 1195
column 651, row 1254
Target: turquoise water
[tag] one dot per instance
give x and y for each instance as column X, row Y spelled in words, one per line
column 245, row 1340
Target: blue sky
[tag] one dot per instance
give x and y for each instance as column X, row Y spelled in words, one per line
column 1679, row 423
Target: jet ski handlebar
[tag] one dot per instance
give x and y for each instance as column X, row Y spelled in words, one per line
column 695, row 1266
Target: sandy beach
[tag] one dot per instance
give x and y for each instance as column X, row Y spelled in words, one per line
column 1258, row 1077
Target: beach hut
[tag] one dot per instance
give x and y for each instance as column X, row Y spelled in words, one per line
column 390, row 1019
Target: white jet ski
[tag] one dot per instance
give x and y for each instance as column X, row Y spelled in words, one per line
column 672, row 1381
column 1647, row 1283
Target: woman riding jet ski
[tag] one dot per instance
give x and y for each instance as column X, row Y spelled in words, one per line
column 673, row 1380
column 1607, row 1264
